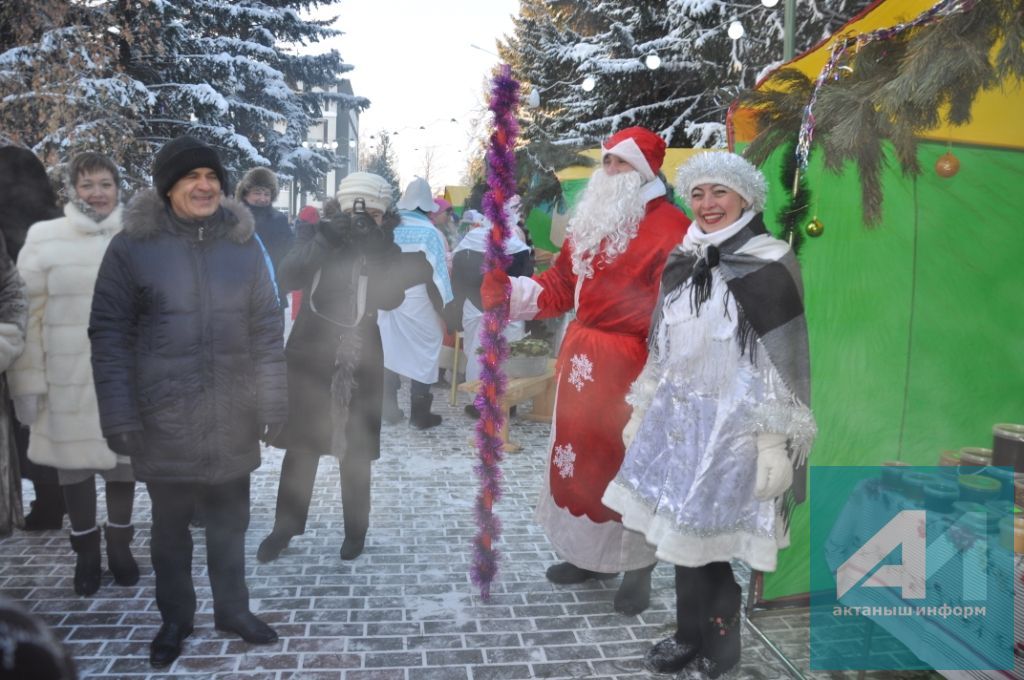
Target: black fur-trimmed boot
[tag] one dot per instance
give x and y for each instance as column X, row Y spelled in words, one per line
column 88, row 561
column 422, row 418
column 120, row 560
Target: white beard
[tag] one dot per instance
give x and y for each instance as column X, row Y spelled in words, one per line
column 606, row 219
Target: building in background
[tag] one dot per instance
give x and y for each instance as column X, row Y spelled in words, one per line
column 336, row 133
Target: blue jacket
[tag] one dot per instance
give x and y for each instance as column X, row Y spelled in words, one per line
column 187, row 342
column 272, row 228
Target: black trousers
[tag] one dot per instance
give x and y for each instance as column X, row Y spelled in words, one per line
column 393, row 382
column 708, row 611
column 80, row 500
column 226, row 508
column 295, row 491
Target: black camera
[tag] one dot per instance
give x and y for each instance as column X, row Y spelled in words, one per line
column 357, row 230
column 363, row 224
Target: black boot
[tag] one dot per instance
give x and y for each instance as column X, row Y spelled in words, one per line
column 634, row 594
column 422, row 418
column 673, row 654
column 47, row 510
column 119, row 554
column 273, row 545
column 720, row 632
column 87, row 564
column 566, row 573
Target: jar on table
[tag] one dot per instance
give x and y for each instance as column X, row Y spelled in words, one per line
column 975, row 455
column 979, row 488
column 1011, row 533
column 914, row 483
column 1008, row 445
column 892, row 474
column 949, row 459
column 940, row 494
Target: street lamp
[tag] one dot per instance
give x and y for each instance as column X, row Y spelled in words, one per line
column 653, row 61
column 588, row 84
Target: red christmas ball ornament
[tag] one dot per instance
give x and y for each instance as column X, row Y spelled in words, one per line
column 947, row 165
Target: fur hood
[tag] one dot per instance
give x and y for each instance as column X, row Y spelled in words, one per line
column 258, row 177
column 148, row 215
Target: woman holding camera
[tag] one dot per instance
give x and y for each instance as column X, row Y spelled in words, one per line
column 348, row 267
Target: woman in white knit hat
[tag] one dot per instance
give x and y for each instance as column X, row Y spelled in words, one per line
column 348, row 268
column 721, row 411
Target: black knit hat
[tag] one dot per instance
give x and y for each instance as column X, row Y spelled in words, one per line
column 181, row 155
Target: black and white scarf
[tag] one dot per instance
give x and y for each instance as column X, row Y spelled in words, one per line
column 763, row 276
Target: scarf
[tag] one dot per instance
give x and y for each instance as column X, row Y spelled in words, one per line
column 417, row 233
column 763, row 276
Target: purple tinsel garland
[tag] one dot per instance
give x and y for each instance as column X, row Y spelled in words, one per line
column 501, row 178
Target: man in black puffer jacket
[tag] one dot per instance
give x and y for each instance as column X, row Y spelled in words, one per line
column 187, row 356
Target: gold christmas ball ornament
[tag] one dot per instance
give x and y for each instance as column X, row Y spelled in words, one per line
column 815, row 228
column 947, row 165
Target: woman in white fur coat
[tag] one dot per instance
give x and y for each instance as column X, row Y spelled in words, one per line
column 52, row 383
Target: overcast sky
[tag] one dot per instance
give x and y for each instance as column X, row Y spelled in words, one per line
column 414, row 62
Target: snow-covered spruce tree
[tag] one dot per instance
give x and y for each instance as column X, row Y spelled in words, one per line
column 60, row 81
column 125, row 76
column 381, row 159
column 228, row 72
column 557, row 44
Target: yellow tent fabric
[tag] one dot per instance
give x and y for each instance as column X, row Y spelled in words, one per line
column 456, row 195
column 995, row 116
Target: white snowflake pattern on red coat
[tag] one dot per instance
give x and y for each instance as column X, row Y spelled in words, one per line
column 565, row 459
column 582, row 371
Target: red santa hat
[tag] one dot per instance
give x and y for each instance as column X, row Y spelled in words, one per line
column 639, row 147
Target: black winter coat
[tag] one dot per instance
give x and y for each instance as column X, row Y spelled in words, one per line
column 467, row 277
column 277, row 237
column 186, row 337
column 313, row 345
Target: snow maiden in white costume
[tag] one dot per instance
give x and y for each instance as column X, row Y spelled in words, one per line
column 721, row 411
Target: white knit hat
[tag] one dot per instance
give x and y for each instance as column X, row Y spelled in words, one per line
column 727, row 169
column 418, row 195
column 373, row 189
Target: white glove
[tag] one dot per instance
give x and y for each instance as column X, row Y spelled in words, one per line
column 629, row 433
column 27, row 407
column 774, row 469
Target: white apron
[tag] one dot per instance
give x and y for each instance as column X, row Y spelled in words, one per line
column 411, row 335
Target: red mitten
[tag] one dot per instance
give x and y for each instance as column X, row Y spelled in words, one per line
column 495, row 289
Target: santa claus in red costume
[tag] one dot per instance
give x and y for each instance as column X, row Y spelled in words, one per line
column 608, row 271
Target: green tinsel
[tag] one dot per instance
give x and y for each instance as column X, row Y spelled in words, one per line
column 793, row 215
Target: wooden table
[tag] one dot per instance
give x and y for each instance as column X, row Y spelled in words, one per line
column 539, row 388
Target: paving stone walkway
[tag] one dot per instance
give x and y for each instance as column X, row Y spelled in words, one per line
column 405, row 609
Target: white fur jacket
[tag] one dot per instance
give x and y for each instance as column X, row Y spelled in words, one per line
column 59, row 262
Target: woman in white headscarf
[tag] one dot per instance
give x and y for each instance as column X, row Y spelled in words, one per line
column 721, row 411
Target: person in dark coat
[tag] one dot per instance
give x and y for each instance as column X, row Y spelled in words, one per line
column 27, row 197
column 258, row 190
column 186, row 334
column 335, row 360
